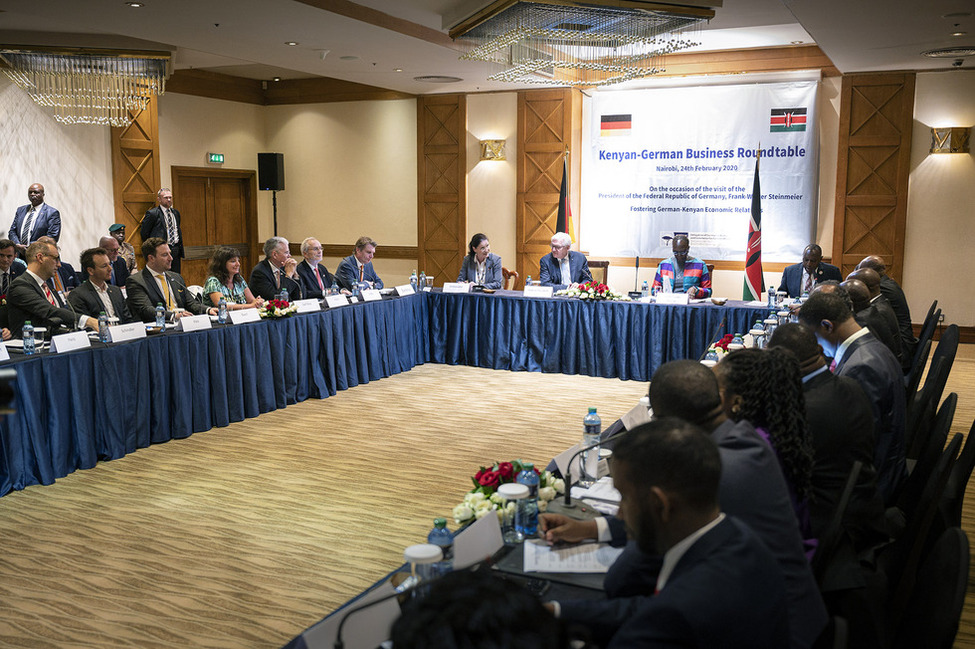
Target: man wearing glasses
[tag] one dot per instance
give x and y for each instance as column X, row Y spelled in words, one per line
column 315, row 278
column 562, row 267
column 31, row 298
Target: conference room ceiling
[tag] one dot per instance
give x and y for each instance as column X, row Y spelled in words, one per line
column 367, row 41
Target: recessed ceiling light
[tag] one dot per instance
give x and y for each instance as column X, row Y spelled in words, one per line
column 397, row 69
column 797, row 42
column 291, row 43
column 349, row 57
column 959, row 33
column 276, row 79
column 958, row 14
column 435, row 78
column 136, row 4
column 949, row 52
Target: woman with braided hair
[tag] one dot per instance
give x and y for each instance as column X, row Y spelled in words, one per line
column 765, row 388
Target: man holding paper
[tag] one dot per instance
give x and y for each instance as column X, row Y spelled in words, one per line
column 156, row 284
column 96, row 294
column 682, row 273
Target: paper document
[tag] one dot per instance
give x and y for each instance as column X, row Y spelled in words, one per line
column 602, row 496
column 584, row 558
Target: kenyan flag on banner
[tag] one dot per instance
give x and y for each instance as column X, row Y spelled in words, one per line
column 787, row 119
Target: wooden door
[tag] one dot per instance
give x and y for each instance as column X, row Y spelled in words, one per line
column 217, row 208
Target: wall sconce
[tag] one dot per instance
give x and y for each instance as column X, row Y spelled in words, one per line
column 950, row 140
column 492, row 150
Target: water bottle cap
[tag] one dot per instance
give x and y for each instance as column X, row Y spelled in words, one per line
column 440, row 522
column 591, row 410
column 528, row 466
column 423, row 553
column 513, row 491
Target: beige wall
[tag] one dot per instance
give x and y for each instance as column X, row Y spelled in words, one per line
column 492, row 186
column 74, row 163
column 938, row 259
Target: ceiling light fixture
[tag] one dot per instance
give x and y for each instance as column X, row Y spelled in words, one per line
column 135, row 5
column 276, row 79
column 291, row 43
column 397, row 69
column 949, row 52
column 433, row 78
column 563, row 42
column 959, row 34
column 349, row 57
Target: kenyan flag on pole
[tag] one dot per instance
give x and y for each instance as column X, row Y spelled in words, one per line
column 754, row 279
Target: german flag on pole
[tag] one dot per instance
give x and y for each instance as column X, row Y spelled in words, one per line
column 754, row 279
column 564, row 221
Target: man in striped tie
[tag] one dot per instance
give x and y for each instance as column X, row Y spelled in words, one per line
column 34, row 220
column 31, row 298
column 162, row 221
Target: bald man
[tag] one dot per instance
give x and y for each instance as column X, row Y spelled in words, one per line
column 34, row 220
column 881, row 323
column 898, row 302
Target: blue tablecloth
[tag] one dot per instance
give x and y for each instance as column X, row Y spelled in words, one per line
column 102, row 403
column 626, row 340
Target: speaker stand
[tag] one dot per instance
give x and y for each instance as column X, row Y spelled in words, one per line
column 274, row 203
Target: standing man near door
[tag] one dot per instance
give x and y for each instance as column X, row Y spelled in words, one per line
column 162, row 221
column 34, row 220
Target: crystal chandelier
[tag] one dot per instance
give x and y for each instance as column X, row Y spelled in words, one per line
column 96, row 88
column 578, row 44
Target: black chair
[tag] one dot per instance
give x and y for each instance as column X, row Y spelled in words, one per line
column 927, row 330
column 913, row 378
column 954, row 496
column 834, row 636
column 833, row 538
column 899, row 560
column 910, row 493
column 921, row 412
column 932, row 613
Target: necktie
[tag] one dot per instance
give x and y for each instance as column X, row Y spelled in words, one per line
column 362, row 272
column 58, row 284
column 49, row 296
column 164, row 286
column 28, row 222
column 832, row 366
column 277, row 277
column 809, row 283
column 171, row 227
column 318, row 276
column 4, row 283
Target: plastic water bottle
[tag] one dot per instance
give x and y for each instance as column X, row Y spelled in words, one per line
column 28, row 338
column 737, row 342
column 442, row 537
column 771, row 299
column 528, row 281
column 334, row 290
column 103, row 327
column 646, row 289
column 592, row 428
column 222, row 311
column 423, row 280
column 529, row 478
column 712, row 355
column 284, row 295
column 160, row 316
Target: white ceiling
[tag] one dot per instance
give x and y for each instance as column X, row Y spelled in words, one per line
column 246, row 37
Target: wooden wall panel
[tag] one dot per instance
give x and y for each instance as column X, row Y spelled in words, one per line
column 549, row 124
column 135, row 170
column 442, row 184
column 876, row 121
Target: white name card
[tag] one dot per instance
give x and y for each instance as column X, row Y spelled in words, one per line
column 4, row 354
column 538, row 291
column 671, row 298
column 405, row 289
column 371, row 295
column 335, row 301
column 240, row 316
column 456, row 287
column 193, row 323
column 308, row 306
column 70, row 342
column 131, row 331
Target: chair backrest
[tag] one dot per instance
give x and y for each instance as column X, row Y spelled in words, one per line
column 927, row 455
column 913, row 378
column 932, row 614
column 600, row 267
column 946, row 348
column 954, row 495
column 921, row 411
column 927, row 331
column 710, row 270
column 832, row 537
column 509, row 278
column 196, row 290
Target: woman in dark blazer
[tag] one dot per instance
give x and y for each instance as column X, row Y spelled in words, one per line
column 481, row 266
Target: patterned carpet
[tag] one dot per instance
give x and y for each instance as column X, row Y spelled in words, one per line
column 245, row 535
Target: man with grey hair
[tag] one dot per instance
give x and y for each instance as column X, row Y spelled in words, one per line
column 163, row 221
column 314, row 277
column 562, row 267
column 277, row 272
column 120, row 268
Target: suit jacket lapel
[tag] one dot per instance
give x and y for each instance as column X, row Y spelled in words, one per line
column 152, row 287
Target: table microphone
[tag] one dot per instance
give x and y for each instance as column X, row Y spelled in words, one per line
column 636, row 278
column 567, row 500
column 713, row 338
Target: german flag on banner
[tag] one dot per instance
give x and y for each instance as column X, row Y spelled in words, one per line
column 614, row 125
column 787, row 119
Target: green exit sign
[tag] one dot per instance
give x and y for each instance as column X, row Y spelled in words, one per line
column 215, row 158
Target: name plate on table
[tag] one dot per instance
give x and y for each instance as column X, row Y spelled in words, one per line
column 456, row 287
column 4, row 354
column 193, row 323
column 131, row 331
column 335, row 301
column 240, row 316
column 405, row 289
column 70, row 342
column 371, row 295
column 671, row 298
column 538, row 291
column 308, row 306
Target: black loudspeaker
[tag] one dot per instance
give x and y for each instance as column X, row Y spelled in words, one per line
column 270, row 171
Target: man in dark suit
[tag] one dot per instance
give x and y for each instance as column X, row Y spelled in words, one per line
column 841, row 432
column 357, row 267
column 162, row 221
column 898, row 302
column 11, row 267
column 718, row 585
column 117, row 263
column 35, row 220
column 798, row 279
column 752, row 489
column 30, row 297
column 873, row 315
column 65, row 279
column 563, row 267
column 857, row 354
column 315, row 278
column 278, row 271
column 95, row 295
column 156, row 284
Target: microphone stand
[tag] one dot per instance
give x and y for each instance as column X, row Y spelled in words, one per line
column 714, row 338
column 636, row 278
column 567, row 499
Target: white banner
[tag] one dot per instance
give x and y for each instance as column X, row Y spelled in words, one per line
column 682, row 160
